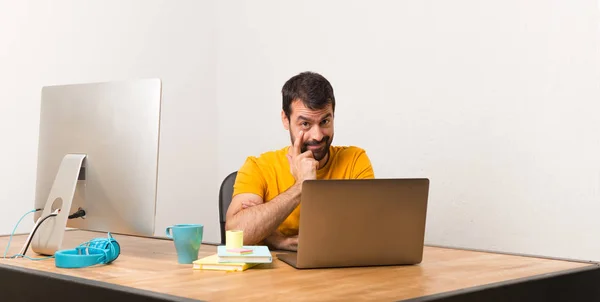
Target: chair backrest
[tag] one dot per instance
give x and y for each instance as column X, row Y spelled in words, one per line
column 225, row 196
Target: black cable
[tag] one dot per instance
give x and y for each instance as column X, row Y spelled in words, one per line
column 35, row 229
column 79, row 213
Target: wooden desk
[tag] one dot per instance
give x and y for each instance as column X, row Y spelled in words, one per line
column 149, row 267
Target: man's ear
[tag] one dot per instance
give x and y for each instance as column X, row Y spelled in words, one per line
column 285, row 121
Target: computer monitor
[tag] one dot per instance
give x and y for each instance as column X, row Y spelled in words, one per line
column 98, row 151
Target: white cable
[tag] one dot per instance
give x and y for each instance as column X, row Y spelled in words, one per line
column 29, row 237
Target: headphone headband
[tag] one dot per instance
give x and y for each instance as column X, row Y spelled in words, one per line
column 95, row 251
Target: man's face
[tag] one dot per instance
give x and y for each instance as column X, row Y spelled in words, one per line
column 317, row 126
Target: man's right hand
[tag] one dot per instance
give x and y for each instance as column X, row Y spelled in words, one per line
column 277, row 241
column 303, row 166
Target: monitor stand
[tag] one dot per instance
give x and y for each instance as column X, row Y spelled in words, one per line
column 49, row 235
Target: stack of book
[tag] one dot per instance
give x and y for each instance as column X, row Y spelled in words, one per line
column 239, row 259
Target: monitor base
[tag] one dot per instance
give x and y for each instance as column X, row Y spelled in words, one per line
column 49, row 235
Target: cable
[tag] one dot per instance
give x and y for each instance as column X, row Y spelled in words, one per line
column 15, row 229
column 54, row 214
column 80, row 213
column 29, row 237
column 34, row 259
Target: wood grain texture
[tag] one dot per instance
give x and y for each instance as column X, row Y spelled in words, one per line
column 151, row 264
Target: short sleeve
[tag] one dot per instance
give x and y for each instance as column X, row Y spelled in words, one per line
column 249, row 179
column 362, row 167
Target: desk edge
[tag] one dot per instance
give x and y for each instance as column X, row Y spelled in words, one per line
column 95, row 283
column 494, row 285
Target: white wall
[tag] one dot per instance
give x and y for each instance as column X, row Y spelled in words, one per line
column 495, row 102
column 61, row 42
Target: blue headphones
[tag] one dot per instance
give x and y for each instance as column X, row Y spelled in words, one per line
column 95, row 251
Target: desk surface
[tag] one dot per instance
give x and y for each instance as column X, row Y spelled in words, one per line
column 150, row 264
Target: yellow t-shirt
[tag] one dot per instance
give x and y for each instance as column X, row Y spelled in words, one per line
column 269, row 175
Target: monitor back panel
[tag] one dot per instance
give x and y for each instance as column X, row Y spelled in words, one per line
column 116, row 124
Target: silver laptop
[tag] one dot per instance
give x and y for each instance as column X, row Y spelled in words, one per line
column 366, row 222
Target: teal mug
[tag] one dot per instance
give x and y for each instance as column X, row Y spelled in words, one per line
column 187, row 239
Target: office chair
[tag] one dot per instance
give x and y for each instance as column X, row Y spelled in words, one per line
column 225, row 196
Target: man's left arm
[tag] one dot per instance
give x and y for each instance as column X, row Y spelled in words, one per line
column 362, row 167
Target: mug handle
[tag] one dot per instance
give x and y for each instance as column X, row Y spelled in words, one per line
column 168, row 232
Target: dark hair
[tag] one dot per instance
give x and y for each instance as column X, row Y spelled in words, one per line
column 309, row 87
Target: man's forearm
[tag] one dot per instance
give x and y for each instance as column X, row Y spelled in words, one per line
column 260, row 221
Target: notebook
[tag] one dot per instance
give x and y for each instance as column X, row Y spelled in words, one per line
column 260, row 254
column 212, row 263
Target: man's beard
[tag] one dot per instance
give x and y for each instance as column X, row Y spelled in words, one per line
column 320, row 153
